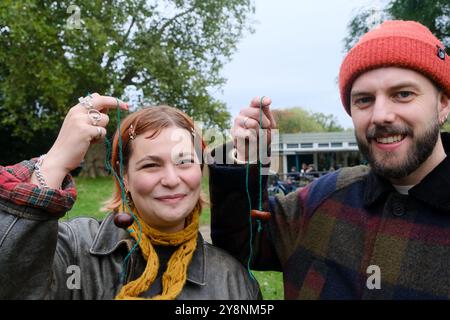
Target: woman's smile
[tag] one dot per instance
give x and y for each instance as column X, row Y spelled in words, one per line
column 171, row 198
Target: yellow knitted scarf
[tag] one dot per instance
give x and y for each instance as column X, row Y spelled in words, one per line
column 175, row 275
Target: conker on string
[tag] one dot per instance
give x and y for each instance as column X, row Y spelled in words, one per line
column 123, row 220
column 263, row 215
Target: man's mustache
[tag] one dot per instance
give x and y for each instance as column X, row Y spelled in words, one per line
column 383, row 131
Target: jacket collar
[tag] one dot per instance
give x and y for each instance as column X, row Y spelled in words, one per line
column 433, row 189
column 376, row 189
column 109, row 238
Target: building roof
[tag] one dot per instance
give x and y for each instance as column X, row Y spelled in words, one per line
column 307, row 142
column 318, row 137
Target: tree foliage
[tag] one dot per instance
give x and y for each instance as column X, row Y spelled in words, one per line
column 435, row 14
column 328, row 122
column 165, row 51
column 297, row 119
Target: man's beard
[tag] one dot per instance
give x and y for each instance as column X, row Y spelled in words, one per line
column 421, row 149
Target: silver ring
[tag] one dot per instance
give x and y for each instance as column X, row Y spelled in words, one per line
column 99, row 133
column 244, row 122
column 95, row 116
column 86, row 102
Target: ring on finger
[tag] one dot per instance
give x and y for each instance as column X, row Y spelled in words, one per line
column 99, row 133
column 86, row 102
column 95, row 116
column 244, row 122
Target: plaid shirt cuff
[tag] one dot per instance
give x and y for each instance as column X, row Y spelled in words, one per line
column 16, row 188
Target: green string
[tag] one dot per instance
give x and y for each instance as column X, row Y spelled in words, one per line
column 260, row 157
column 247, row 170
column 122, row 189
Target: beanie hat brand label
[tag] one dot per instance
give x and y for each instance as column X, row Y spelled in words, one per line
column 396, row 43
column 441, row 53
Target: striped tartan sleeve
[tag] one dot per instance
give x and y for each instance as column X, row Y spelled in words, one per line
column 16, row 188
column 283, row 230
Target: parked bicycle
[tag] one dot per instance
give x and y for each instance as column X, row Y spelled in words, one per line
column 279, row 186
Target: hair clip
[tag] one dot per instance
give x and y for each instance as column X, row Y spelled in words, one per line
column 193, row 131
column 131, row 132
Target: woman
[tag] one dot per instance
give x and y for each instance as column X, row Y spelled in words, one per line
column 161, row 255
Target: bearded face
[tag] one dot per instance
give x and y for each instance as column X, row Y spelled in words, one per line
column 391, row 164
column 396, row 113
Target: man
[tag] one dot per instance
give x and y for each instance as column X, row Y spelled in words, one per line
column 294, row 175
column 377, row 232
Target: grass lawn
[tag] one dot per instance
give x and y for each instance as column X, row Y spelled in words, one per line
column 92, row 192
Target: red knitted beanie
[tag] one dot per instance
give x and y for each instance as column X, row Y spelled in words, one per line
column 404, row 44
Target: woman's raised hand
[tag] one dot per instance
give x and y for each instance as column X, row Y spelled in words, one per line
column 84, row 124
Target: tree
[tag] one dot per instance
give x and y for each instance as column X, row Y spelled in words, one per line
column 297, row 119
column 432, row 13
column 328, row 122
column 166, row 51
column 364, row 20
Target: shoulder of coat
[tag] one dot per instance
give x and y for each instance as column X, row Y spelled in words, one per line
column 349, row 175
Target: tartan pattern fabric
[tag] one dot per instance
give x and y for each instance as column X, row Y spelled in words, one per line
column 16, row 188
column 325, row 236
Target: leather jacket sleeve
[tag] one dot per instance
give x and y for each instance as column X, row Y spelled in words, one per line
column 28, row 233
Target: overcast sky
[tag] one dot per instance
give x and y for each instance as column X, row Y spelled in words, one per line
column 293, row 56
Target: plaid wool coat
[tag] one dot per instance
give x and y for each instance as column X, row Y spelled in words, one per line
column 348, row 235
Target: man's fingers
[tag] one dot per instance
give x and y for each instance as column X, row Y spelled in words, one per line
column 246, row 122
column 249, row 117
column 256, row 102
column 265, row 102
column 244, row 134
column 269, row 115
